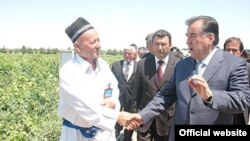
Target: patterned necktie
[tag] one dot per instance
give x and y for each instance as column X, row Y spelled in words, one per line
column 126, row 71
column 160, row 72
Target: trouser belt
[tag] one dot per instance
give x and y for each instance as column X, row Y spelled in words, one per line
column 86, row 132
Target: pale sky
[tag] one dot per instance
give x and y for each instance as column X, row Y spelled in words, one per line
column 42, row 23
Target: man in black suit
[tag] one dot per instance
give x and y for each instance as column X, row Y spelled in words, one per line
column 125, row 78
column 148, row 82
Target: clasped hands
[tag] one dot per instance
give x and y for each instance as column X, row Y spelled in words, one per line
column 130, row 121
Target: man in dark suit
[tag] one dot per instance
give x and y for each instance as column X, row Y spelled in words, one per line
column 235, row 46
column 147, row 83
column 220, row 90
column 125, row 80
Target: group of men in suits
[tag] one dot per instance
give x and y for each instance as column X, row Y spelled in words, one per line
column 212, row 97
column 143, row 83
column 147, row 84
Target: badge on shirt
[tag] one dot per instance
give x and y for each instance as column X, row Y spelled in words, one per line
column 108, row 91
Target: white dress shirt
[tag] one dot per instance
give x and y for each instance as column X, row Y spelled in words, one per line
column 81, row 92
column 164, row 65
column 131, row 67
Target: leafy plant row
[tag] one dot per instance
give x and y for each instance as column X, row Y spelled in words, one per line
column 29, row 96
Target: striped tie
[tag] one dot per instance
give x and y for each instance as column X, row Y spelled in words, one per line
column 126, row 71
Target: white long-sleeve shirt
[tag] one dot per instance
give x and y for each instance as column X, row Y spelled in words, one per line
column 81, row 92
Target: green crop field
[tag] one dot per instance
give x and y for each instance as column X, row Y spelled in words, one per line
column 29, row 96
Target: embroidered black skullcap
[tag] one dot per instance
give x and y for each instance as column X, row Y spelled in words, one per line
column 77, row 28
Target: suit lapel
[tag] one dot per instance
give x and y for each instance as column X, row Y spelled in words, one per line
column 167, row 73
column 121, row 69
column 190, row 72
column 213, row 65
column 150, row 61
column 134, row 71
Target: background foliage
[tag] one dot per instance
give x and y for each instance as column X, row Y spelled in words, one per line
column 29, row 96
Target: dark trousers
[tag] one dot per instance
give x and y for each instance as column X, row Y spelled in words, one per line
column 127, row 134
column 151, row 134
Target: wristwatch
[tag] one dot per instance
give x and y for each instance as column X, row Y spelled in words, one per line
column 209, row 101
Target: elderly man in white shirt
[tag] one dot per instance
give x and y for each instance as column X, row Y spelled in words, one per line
column 88, row 101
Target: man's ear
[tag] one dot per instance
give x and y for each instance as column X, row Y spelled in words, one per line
column 211, row 38
column 76, row 46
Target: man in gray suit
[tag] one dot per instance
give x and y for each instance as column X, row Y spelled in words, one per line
column 125, row 84
column 221, row 89
column 148, row 82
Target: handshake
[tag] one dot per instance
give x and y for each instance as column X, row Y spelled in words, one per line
column 130, row 121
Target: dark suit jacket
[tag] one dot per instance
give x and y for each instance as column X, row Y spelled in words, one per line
column 147, row 55
column 226, row 76
column 247, row 112
column 147, row 85
column 125, row 87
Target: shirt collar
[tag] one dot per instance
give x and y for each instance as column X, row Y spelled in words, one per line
column 86, row 66
column 131, row 62
column 209, row 57
column 164, row 59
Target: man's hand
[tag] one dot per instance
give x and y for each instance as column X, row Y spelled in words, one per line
column 124, row 117
column 200, row 86
column 134, row 122
column 130, row 121
column 108, row 102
